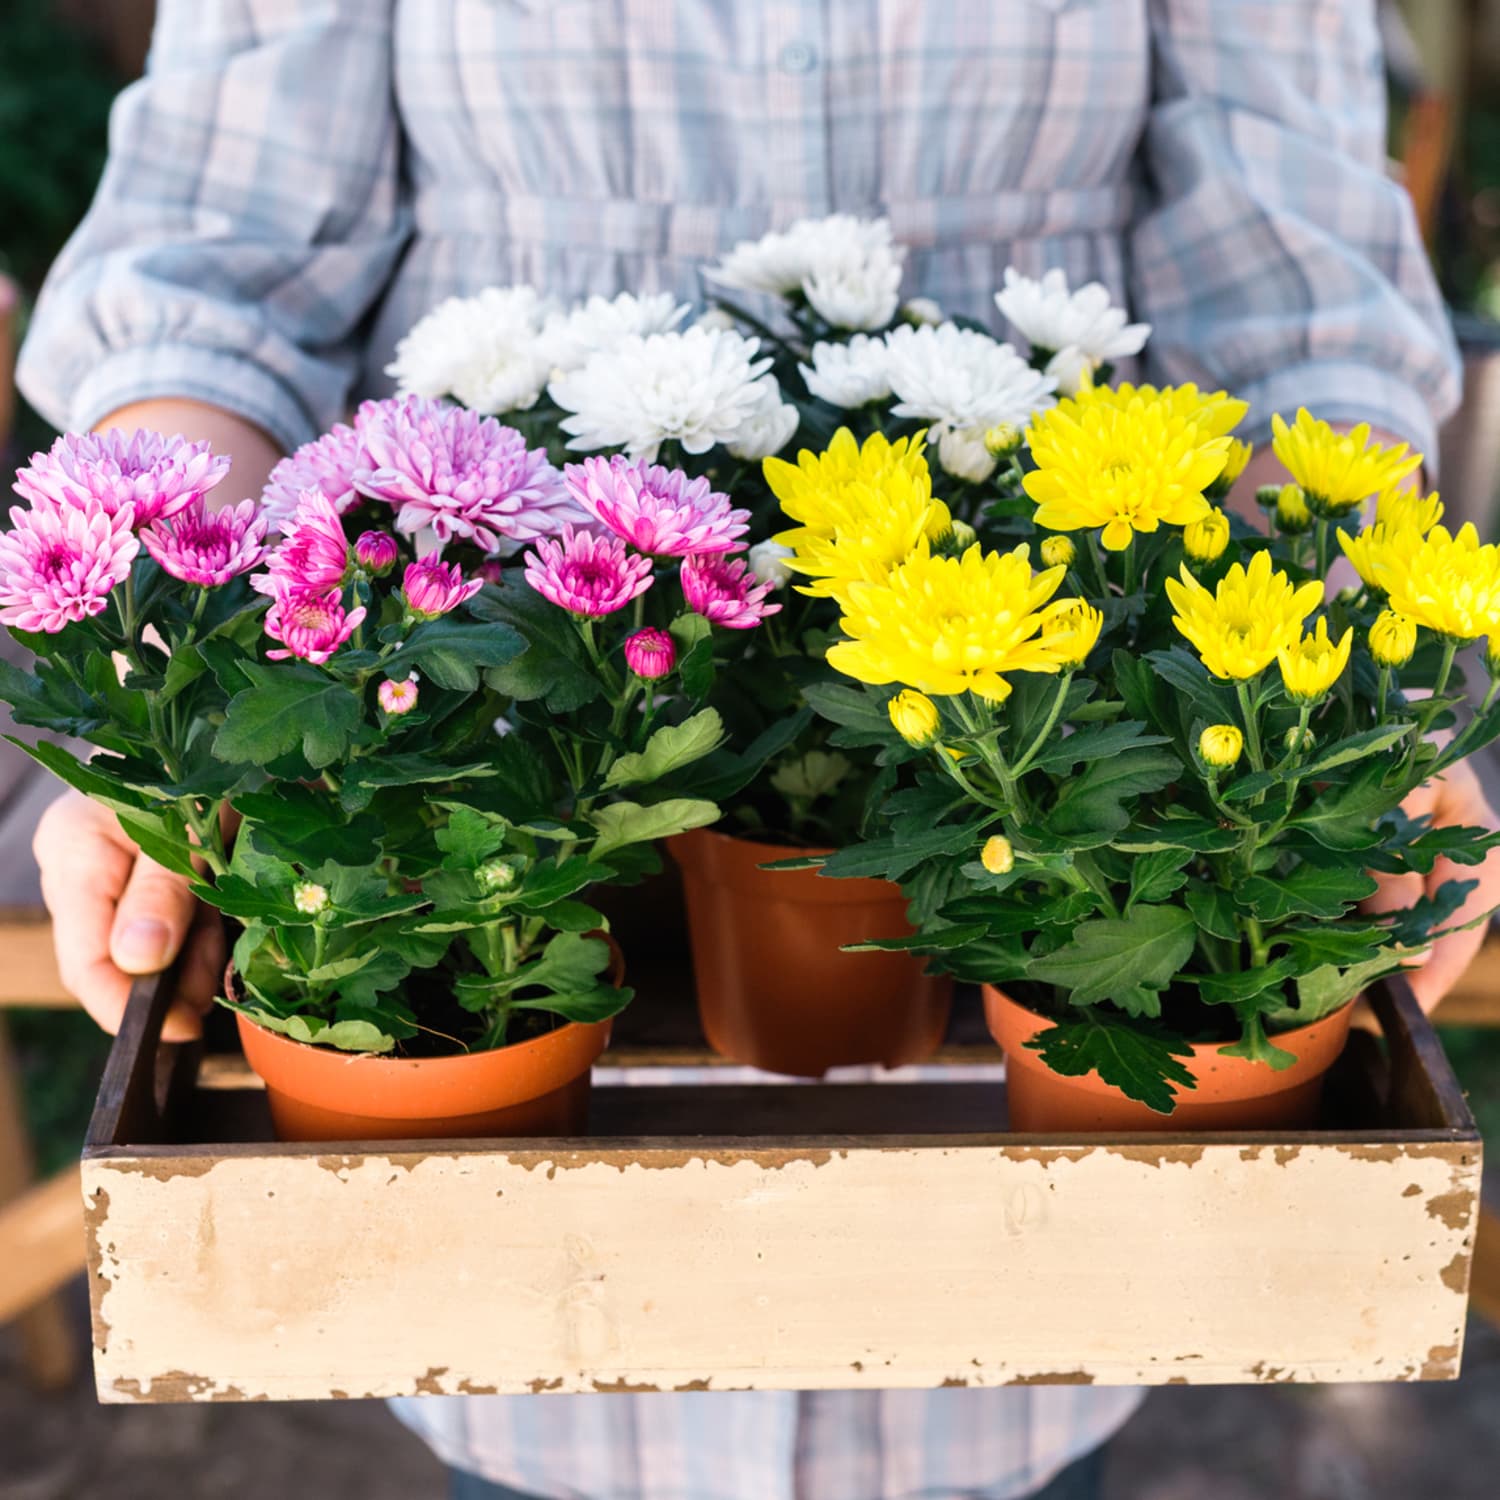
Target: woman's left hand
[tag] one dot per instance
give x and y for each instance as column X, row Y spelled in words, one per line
column 1454, row 798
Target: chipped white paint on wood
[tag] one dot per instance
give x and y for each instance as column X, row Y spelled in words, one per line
column 975, row 1263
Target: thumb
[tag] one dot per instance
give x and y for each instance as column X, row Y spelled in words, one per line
column 155, row 911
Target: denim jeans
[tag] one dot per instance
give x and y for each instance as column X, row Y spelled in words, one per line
column 1079, row 1481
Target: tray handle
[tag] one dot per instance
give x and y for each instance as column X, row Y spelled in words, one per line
column 1422, row 1091
column 144, row 1077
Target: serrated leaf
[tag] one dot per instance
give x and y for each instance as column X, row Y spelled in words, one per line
column 1154, row 876
column 1094, row 743
column 1094, row 802
column 931, row 940
column 286, row 707
column 1355, row 747
column 450, row 651
column 1109, row 955
column 669, row 749
column 622, row 823
column 1143, row 1064
column 1213, row 909
column 1307, row 891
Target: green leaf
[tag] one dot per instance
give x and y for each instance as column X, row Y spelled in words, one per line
column 1309, row 890
column 1344, row 817
column 468, row 838
column 695, row 659
column 1314, row 944
column 930, row 940
column 1241, row 985
column 1094, row 743
column 370, row 773
column 1154, row 876
column 889, row 858
column 1094, row 803
column 450, row 651
column 1143, row 1064
column 346, row 1036
column 1111, row 957
column 1256, row 1047
column 597, row 1004
column 623, row 823
column 1321, row 992
column 670, row 748
column 287, row 705
column 1355, row 747
column 1213, row 910
column 553, row 666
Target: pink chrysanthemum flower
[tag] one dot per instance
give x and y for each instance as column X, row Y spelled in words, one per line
column 725, row 592
column 310, row 623
column 58, row 565
column 650, row 653
column 586, row 574
column 376, row 552
column 326, row 464
column 397, row 698
column 315, row 555
column 208, row 547
column 461, row 475
column 431, row 588
column 657, row 510
column 146, row 474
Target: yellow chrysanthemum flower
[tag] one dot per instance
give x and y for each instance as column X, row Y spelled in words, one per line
column 1448, row 582
column 1217, row 413
column 1408, row 508
column 947, row 625
column 1221, row 745
column 1393, row 639
column 1070, row 630
column 1204, row 541
column 1123, row 468
column 1239, row 627
column 1234, row 465
column 1291, row 512
column 1311, row 666
column 915, row 717
column 1338, row 470
column 1399, row 515
column 814, row 491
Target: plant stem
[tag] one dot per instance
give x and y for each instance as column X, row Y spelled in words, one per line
column 1321, row 547
column 1252, row 725
column 1021, row 766
column 1131, row 564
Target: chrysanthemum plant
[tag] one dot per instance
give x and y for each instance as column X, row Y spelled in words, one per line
column 1148, row 760
column 398, row 765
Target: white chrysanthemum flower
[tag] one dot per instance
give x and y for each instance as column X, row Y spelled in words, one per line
column 1072, row 369
column 697, row 388
column 920, row 310
column 958, row 378
column 568, row 338
column 1051, row 318
column 481, row 350
column 715, row 320
column 963, row 453
column 849, row 375
column 848, row 269
column 768, row 561
column 769, row 428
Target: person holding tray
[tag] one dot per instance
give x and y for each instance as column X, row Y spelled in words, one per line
column 292, row 185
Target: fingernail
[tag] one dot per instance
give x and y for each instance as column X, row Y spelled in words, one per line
column 143, row 945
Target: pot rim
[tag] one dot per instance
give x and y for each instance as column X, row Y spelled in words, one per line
column 727, row 860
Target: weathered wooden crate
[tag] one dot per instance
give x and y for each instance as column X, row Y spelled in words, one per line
column 773, row 1236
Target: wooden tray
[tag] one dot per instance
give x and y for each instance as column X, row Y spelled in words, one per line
column 773, row 1236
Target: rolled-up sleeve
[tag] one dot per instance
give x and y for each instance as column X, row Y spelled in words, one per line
column 1275, row 257
column 249, row 217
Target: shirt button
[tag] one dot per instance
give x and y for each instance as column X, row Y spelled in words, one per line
column 797, row 57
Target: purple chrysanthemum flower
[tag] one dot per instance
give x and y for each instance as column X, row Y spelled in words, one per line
column 586, row 574
column 310, row 623
column 725, row 592
column 657, row 510
column 146, row 474
column 432, row 588
column 208, row 547
column 326, row 464
column 315, row 553
column 58, row 565
column 650, row 653
column 461, row 475
column 376, row 552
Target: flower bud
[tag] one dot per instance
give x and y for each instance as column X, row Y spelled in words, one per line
column 1003, row 440
column 1058, row 552
column 495, row 875
column 1292, row 515
column 1221, row 745
column 921, row 312
column 1266, row 495
column 490, row 570
column 1235, row 458
column 397, row 698
column 916, row 718
column 1070, row 630
column 310, row 898
column 1393, row 639
column 1204, row 541
column 963, row 453
column 1300, row 740
column 997, row 856
column 376, row 552
column 650, row 653
column 956, row 540
column 1492, row 655
column 767, row 561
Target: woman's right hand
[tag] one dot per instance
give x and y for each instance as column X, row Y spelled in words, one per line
column 117, row 914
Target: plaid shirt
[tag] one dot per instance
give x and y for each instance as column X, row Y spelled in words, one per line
column 296, row 181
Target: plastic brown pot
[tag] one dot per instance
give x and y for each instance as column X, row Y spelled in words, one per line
column 1232, row 1093
column 773, row 988
column 533, row 1088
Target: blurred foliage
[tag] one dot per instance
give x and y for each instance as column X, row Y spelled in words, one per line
column 1474, row 1052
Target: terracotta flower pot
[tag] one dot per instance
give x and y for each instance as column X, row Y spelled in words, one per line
column 773, row 988
column 1232, row 1093
column 537, row 1087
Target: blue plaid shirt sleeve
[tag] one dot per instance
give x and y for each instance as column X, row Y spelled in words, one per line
column 1275, row 256
column 249, row 217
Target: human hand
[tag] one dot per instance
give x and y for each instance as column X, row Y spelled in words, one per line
column 116, row 914
column 1454, row 798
